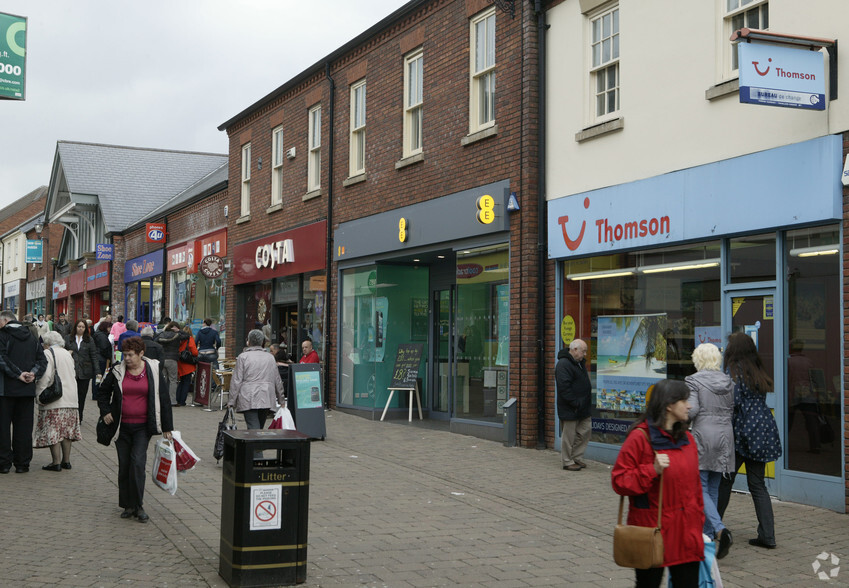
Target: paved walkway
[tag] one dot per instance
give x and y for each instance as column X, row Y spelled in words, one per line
column 391, row 504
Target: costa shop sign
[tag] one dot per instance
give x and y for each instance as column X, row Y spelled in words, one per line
column 291, row 252
column 154, row 232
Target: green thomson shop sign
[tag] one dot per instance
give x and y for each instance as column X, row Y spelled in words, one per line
column 13, row 42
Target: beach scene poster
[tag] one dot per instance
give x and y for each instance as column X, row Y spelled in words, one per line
column 631, row 357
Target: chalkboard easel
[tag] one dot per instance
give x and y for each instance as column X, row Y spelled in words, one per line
column 405, row 376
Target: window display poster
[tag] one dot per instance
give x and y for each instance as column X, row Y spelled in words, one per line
column 381, row 315
column 631, row 357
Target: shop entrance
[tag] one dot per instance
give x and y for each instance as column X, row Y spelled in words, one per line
column 441, row 305
column 753, row 312
column 287, row 327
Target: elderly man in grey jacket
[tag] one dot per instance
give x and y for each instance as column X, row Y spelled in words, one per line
column 711, row 411
column 256, row 383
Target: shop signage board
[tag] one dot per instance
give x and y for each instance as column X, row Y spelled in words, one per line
column 11, row 288
column 34, row 251
column 36, row 289
column 155, row 232
column 306, row 401
column 288, row 253
column 203, row 379
column 145, row 266
column 76, row 282
column 703, row 202
column 104, row 251
column 97, row 277
column 773, row 75
column 13, row 56
column 211, row 266
column 60, row 288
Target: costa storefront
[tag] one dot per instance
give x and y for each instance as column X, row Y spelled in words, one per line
column 280, row 287
column 196, row 281
column 98, row 280
column 143, row 287
column 650, row 269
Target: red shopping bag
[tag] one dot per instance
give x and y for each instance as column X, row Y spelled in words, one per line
column 186, row 458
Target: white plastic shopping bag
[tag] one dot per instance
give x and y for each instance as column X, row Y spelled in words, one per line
column 283, row 420
column 186, row 458
column 165, row 466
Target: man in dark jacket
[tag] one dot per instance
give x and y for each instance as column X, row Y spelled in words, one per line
column 22, row 362
column 62, row 326
column 152, row 349
column 132, row 331
column 208, row 341
column 574, row 392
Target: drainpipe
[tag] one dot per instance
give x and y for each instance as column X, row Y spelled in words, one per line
column 542, row 360
column 329, row 262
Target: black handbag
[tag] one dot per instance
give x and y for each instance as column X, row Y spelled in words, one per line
column 54, row 391
column 186, row 356
column 228, row 423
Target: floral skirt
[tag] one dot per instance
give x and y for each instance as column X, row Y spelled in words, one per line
column 57, row 424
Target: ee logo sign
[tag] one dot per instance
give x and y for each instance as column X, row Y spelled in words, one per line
column 402, row 229
column 486, row 209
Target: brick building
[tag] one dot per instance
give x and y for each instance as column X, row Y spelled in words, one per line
column 387, row 196
column 16, row 220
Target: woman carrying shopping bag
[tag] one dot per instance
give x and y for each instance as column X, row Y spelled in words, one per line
column 135, row 394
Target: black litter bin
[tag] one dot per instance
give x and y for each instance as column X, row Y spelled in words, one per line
column 264, row 506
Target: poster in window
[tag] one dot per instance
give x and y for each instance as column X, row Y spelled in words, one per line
column 418, row 319
column 631, row 357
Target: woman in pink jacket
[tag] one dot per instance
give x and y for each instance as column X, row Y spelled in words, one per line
column 637, row 475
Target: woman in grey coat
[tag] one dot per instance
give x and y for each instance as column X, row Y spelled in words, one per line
column 711, row 411
column 256, row 383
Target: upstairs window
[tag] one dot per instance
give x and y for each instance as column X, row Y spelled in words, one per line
column 604, row 71
column 357, row 164
column 246, row 180
column 751, row 14
column 314, row 161
column 482, row 97
column 413, row 103
column 277, row 166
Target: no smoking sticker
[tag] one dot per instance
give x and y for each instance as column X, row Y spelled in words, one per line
column 265, row 507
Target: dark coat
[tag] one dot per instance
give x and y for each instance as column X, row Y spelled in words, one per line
column 63, row 329
column 755, row 432
column 170, row 341
column 104, row 347
column 110, row 397
column 207, row 338
column 86, row 357
column 20, row 352
column 152, row 349
column 574, row 389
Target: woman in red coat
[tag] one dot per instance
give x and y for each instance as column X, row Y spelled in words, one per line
column 186, row 369
column 637, row 474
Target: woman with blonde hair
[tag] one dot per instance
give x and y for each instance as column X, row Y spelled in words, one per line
column 58, row 422
column 711, row 409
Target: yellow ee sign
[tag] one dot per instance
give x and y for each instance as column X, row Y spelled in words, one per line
column 486, row 209
column 403, row 225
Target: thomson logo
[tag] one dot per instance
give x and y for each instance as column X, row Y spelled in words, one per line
column 783, row 73
column 610, row 232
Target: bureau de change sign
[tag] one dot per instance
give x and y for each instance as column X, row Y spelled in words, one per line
column 13, row 37
column 773, row 75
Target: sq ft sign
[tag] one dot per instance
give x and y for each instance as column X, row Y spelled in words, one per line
column 772, row 75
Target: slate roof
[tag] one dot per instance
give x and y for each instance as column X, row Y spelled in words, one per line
column 212, row 182
column 22, row 202
column 130, row 182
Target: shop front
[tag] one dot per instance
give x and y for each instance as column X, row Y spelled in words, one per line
column 435, row 274
column 143, row 287
column 649, row 270
column 60, row 297
column 280, row 288
column 196, row 277
column 76, row 288
column 36, row 293
column 98, row 280
column 12, row 296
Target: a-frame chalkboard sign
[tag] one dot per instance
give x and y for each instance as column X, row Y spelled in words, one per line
column 405, row 376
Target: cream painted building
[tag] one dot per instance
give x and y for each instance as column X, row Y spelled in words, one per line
column 678, row 215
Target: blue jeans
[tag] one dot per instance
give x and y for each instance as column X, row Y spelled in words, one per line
column 710, row 494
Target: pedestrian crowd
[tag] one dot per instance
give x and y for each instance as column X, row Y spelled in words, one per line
column 679, row 459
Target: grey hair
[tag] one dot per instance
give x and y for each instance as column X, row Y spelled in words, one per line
column 52, row 338
column 577, row 343
column 706, row 357
column 147, row 332
column 132, row 325
column 256, row 338
column 8, row 315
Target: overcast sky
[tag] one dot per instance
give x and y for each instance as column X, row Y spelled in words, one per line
column 159, row 73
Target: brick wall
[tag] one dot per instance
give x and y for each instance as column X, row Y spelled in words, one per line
column 441, row 28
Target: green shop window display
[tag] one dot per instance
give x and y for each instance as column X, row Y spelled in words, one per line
column 376, row 319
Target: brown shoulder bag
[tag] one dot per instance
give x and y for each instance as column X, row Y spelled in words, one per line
column 639, row 547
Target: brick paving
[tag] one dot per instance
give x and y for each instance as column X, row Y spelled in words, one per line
column 392, row 504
